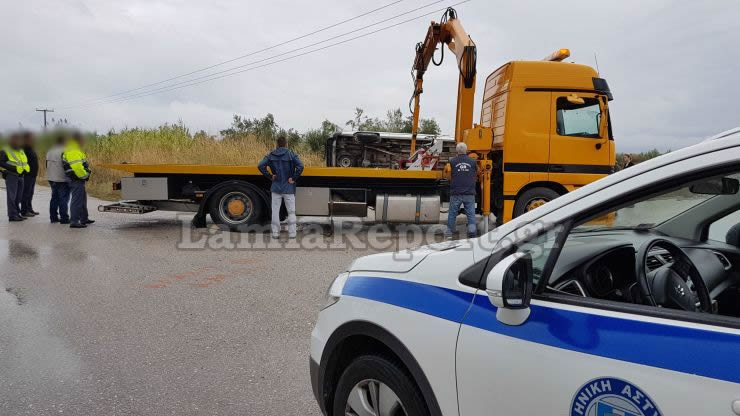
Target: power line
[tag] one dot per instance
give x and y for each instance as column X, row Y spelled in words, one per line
column 212, row 77
column 325, row 28
column 281, row 54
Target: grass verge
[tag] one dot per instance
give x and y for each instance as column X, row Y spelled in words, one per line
column 168, row 144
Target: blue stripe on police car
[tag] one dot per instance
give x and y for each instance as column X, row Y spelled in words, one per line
column 663, row 346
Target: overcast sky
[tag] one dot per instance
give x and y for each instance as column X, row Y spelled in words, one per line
column 673, row 66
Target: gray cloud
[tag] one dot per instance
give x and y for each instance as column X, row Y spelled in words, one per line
column 671, row 65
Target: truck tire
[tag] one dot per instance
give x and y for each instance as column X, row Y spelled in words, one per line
column 371, row 376
column 533, row 198
column 236, row 207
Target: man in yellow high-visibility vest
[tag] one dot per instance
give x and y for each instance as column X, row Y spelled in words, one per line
column 77, row 169
column 14, row 165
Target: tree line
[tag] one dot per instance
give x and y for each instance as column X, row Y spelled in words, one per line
column 267, row 129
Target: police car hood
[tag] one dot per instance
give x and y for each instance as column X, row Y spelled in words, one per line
column 399, row 261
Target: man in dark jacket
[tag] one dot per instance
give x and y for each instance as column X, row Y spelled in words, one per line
column 464, row 171
column 29, row 181
column 285, row 167
column 627, row 161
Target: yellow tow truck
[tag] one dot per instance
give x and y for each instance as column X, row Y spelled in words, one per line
column 544, row 130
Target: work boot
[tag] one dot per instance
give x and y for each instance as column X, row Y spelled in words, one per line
column 28, row 214
column 64, row 222
column 15, row 219
column 88, row 221
column 77, row 225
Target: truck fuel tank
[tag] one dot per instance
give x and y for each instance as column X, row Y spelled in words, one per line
column 415, row 209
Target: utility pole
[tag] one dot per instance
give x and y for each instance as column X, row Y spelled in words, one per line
column 45, row 110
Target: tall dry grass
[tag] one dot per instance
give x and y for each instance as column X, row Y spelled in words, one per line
column 171, row 144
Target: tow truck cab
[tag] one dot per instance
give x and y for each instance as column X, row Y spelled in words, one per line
column 551, row 132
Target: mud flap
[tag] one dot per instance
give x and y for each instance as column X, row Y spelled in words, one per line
column 199, row 220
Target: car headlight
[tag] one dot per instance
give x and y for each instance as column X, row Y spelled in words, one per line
column 334, row 292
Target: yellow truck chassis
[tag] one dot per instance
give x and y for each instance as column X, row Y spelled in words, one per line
column 239, row 196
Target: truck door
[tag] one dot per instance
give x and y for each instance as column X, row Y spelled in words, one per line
column 579, row 138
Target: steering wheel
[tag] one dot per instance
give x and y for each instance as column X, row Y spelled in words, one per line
column 671, row 284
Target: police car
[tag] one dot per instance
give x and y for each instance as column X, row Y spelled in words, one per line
column 620, row 298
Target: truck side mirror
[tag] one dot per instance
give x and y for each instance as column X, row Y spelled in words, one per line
column 509, row 288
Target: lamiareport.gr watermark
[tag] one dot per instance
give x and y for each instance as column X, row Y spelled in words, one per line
column 401, row 239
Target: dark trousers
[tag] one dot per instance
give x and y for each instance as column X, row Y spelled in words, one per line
column 78, row 205
column 59, row 205
column 14, row 194
column 29, row 185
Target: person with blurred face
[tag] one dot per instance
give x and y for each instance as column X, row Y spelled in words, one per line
column 58, row 181
column 14, row 165
column 77, row 170
column 29, row 180
column 627, row 161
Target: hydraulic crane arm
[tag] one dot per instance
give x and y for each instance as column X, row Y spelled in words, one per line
column 449, row 31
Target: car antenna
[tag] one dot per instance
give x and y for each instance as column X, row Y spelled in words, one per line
column 597, row 63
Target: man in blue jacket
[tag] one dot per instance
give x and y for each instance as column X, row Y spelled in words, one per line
column 285, row 167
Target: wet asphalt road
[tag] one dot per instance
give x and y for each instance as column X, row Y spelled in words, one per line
column 115, row 319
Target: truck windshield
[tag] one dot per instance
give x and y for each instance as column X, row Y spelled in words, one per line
column 578, row 119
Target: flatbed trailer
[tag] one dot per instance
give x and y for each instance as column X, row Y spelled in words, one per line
column 239, row 196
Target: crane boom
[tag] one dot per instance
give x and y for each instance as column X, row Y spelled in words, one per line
column 449, row 31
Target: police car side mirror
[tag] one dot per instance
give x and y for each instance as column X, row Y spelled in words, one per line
column 509, row 288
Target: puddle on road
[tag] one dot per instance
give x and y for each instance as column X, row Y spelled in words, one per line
column 30, row 354
column 18, row 293
column 17, row 251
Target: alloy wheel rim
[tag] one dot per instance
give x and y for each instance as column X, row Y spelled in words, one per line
column 373, row 398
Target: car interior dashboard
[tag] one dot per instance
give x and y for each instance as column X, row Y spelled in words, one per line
column 601, row 265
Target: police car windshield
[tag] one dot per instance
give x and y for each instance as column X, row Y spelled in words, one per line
column 647, row 213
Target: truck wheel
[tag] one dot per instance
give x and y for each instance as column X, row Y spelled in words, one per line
column 533, row 198
column 374, row 385
column 345, row 160
column 236, row 207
